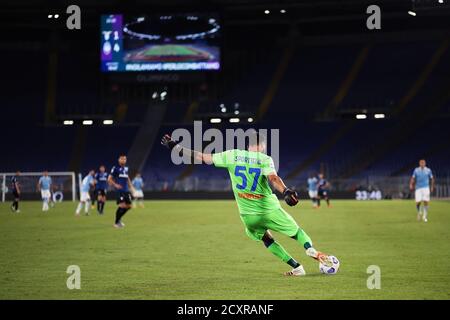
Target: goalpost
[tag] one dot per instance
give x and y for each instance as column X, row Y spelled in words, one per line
column 63, row 183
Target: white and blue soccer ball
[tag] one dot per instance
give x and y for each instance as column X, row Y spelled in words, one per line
column 330, row 268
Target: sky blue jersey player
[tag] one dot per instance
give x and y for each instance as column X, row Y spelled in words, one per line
column 44, row 186
column 85, row 198
column 312, row 189
column 138, row 195
column 101, row 185
column 120, row 180
column 420, row 182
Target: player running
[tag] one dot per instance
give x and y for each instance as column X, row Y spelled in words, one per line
column 44, row 186
column 101, row 186
column 85, row 198
column 312, row 189
column 120, row 180
column 16, row 192
column 138, row 194
column 322, row 190
column 251, row 171
column 420, row 181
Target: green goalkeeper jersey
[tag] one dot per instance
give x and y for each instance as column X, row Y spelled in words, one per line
column 248, row 172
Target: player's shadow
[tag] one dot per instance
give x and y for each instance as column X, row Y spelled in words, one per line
column 318, row 274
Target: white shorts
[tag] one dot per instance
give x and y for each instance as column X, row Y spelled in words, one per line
column 84, row 196
column 138, row 194
column 423, row 194
column 45, row 194
column 312, row 194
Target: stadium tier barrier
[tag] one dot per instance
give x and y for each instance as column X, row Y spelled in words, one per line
column 389, row 187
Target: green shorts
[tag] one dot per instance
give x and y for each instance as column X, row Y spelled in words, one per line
column 278, row 220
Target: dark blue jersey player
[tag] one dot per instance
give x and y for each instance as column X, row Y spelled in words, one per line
column 101, row 185
column 120, row 180
column 15, row 187
column 322, row 190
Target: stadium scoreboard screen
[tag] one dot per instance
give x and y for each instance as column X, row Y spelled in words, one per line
column 157, row 43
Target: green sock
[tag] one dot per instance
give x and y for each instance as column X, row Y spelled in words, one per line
column 279, row 251
column 303, row 238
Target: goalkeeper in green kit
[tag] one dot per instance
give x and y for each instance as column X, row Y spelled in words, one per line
column 251, row 171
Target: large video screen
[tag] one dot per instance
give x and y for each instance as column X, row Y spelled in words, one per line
column 158, row 43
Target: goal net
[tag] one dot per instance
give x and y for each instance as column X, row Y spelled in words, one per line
column 63, row 186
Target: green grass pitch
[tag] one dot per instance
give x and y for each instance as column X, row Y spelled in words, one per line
column 198, row 250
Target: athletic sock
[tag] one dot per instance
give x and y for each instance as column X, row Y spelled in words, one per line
column 80, row 205
column 303, row 238
column 99, row 206
column 17, row 205
column 328, row 202
column 281, row 253
column 425, row 212
column 87, row 205
column 294, row 264
column 418, row 207
column 120, row 213
column 102, row 205
column 318, row 202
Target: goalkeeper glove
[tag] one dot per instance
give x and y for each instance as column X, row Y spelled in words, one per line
column 167, row 141
column 290, row 196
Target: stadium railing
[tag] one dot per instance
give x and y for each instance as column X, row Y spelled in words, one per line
column 390, row 187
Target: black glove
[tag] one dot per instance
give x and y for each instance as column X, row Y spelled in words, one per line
column 290, row 196
column 167, row 141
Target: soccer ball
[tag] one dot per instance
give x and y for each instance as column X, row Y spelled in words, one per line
column 331, row 268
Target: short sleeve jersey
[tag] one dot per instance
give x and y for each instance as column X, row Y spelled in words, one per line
column 248, row 173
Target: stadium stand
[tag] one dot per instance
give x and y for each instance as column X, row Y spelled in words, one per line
column 308, row 92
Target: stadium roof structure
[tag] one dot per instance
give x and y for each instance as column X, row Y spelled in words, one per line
column 326, row 15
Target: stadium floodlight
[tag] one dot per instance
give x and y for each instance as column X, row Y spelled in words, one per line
column 236, row 112
column 379, row 116
column 441, row 1
column 250, row 119
column 163, row 94
column 234, row 120
column 223, row 110
column 266, row 11
column 283, row 11
column 215, row 120
column 155, row 95
column 56, row 16
column 68, row 122
column 361, row 116
column 411, row 13
column 108, row 122
column 88, row 122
